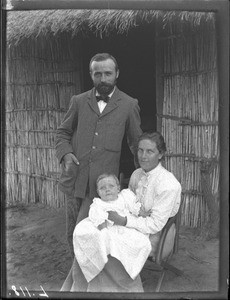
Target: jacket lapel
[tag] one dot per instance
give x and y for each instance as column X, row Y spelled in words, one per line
column 112, row 104
column 93, row 102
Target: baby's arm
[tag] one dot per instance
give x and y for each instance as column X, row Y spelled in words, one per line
column 97, row 215
column 131, row 201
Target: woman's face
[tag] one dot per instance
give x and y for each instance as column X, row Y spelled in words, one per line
column 108, row 189
column 148, row 155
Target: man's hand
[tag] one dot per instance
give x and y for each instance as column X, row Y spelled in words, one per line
column 116, row 218
column 68, row 159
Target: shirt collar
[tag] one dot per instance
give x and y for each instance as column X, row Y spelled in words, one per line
column 153, row 171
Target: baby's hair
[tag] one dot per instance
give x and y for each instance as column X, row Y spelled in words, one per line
column 105, row 175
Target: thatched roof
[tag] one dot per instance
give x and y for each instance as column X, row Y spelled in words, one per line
column 25, row 24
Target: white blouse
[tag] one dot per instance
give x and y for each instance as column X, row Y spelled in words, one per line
column 158, row 191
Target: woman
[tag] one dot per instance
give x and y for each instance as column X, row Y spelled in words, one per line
column 157, row 189
column 159, row 193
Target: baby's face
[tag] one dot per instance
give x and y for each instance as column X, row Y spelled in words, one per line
column 108, row 189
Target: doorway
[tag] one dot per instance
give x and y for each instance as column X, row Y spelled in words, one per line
column 135, row 54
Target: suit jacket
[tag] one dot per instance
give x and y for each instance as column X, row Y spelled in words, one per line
column 95, row 138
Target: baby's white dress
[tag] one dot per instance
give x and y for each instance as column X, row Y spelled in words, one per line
column 92, row 246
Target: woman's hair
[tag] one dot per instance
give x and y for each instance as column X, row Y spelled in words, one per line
column 102, row 57
column 105, row 175
column 154, row 137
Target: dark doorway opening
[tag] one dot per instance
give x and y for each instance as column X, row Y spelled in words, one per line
column 135, row 54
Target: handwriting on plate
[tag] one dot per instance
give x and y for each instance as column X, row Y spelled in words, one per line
column 25, row 292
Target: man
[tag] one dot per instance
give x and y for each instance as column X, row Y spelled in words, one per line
column 89, row 140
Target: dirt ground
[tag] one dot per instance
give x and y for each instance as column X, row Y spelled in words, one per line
column 37, row 257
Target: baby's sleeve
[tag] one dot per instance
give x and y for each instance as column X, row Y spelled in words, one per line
column 131, row 201
column 97, row 214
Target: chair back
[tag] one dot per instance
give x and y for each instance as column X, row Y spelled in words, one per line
column 165, row 246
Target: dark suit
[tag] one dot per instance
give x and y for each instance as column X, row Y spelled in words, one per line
column 95, row 139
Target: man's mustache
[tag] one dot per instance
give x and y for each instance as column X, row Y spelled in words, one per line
column 105, row 85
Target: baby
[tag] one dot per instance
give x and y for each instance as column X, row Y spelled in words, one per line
column 96, row 237
column 111, row 198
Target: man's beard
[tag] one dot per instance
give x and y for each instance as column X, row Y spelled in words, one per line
column 105, row 88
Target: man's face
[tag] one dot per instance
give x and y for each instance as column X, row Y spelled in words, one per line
column 148, row 155
column 108, row 189
column 104, row 76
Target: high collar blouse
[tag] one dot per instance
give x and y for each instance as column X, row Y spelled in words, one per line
column 159, row 192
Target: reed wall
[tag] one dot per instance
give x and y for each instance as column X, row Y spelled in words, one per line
column 42, row 75
column 189, row 112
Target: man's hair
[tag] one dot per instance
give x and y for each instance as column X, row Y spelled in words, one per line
column 154, row 137
column 106, row 175
column 102, row 57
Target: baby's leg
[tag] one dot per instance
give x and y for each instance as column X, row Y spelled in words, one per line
column 90, row 248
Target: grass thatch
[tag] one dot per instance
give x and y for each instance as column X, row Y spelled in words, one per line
column 25, row 24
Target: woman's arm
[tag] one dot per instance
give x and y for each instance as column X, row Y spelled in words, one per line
column 160, row 213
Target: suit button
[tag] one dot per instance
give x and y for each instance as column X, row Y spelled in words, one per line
column 93, row 147
column 96, row 133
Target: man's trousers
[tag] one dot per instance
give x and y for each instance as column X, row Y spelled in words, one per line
column 77, row 209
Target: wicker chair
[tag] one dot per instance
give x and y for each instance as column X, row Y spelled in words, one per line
column 160, row 263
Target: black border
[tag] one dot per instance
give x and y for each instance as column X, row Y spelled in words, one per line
column 2, row 152
column 221, row 8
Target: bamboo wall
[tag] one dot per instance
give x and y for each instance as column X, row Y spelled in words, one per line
column 42, row 75
column 188, row 112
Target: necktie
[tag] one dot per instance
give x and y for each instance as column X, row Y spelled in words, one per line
column 103, row 98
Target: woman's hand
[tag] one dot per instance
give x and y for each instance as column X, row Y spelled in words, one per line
column 143, row 213
column 116, row 218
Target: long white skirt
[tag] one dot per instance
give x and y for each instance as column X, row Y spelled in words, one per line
column 92, row 247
